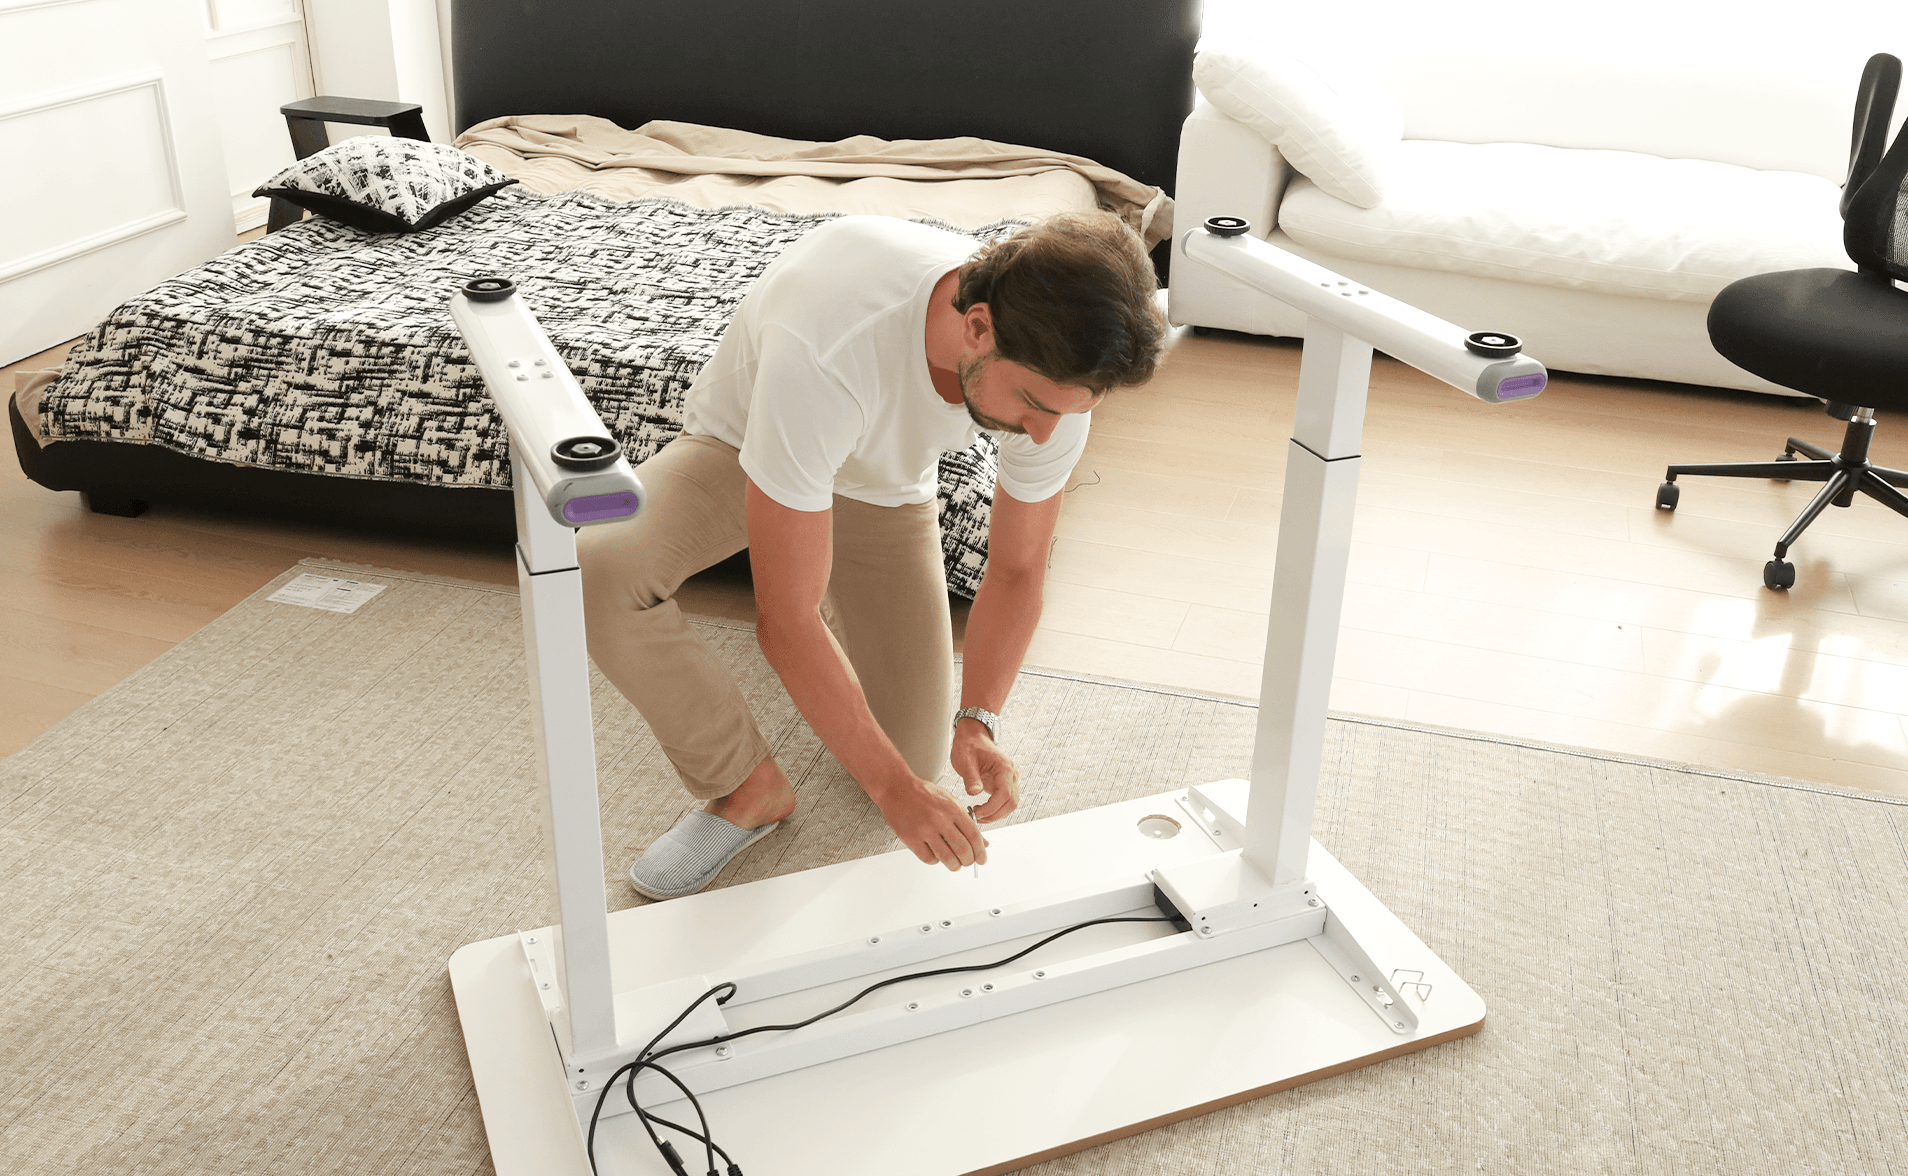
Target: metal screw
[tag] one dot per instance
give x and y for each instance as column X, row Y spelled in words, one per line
column 1311, row 902
column 723, row 1051
column 531, row 939
column 947, row 922
column 987, row 988
column 967, row 992
column 1398, row 1024
column 874, row 939
column 1040, row 975
column 913, row 1005
column 1205, row 930
column 925, row 928
column 582, row 1084
column 1356, row 979
column 546, row 986
column 994, row 911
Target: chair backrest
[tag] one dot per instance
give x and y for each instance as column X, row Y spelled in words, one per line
column 1875, row 199
column 1874, row 106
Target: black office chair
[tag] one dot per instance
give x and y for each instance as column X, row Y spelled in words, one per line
column 1836, row 335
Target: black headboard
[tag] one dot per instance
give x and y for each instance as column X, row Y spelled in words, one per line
column 1107, row 79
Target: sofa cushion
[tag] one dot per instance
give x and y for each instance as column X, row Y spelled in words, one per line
column 1791, row 117
column 1337, row 130
column 1611, row 221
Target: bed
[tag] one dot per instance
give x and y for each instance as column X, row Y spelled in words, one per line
column 314, row 373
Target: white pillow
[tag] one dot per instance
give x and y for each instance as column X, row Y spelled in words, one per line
column 1339, row 132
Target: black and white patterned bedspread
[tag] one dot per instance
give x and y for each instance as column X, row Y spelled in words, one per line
column 323, row 349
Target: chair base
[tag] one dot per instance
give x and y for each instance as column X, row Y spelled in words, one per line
column 1843, row 475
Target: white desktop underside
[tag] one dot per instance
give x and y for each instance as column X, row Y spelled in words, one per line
column 1039, row 1083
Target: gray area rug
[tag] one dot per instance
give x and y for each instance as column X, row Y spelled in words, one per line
column 231, row 884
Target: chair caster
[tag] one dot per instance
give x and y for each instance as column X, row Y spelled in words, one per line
column 1783, row 457
column 1778, row 574
column 1667, row 495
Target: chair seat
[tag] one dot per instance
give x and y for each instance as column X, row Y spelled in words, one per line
column 1837, row 334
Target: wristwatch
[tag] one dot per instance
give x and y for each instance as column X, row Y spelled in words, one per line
column 988, row 719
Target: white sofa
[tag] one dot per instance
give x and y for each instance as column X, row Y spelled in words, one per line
column 1592, row 209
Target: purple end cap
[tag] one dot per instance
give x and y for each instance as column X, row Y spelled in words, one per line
column 1520, row 386
column 594, row 507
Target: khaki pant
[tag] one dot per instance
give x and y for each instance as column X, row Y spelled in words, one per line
column 886, row 605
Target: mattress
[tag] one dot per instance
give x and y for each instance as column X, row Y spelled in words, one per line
column 302, row 352
column 324, row 350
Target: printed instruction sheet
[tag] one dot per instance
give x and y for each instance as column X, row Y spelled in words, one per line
column 327, row 592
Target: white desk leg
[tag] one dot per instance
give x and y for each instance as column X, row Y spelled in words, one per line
column 551, row 587
column 1308, row 593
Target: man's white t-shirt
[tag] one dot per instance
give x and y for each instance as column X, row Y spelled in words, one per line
column 822, row 380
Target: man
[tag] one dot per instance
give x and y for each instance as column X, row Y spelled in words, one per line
column 813, row 437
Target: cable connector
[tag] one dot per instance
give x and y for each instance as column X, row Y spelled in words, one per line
column 735, row 1170
column 674, row 1159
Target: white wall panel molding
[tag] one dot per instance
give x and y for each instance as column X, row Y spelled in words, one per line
column 255, row 75
column 226, row 17
column 214, row 51
column 85, row 245
column 260, row 59
column 135, row 186
column 107, row 88
column 108, row 119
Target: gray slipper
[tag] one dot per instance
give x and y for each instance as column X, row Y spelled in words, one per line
column 689, row 856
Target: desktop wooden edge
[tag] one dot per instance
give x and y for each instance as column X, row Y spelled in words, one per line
column 1231, row 1100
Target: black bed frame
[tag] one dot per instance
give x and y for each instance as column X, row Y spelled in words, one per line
column 1107, row 79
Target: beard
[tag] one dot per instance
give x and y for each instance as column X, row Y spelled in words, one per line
column 969, row 373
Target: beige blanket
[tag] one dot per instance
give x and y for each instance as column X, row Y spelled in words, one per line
column 968, row 182
column 29, row 389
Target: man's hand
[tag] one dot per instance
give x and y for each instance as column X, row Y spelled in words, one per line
column 984, row 767
column 931, row 825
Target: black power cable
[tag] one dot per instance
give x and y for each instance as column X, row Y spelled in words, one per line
column 646, row 1059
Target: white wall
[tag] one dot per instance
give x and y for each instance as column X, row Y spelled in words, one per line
column 387, row 49
column 419, row 59
column 400, row 49
column 1819, row 36
column 1680, row 52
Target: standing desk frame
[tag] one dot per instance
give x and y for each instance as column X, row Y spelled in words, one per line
column 1288, row 969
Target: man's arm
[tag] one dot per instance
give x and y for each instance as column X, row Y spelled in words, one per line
column 1000, row 625
column 790, row 553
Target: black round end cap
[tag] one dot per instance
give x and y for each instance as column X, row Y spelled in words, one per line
column 489, row 289
column 586, row 453
column 1227, row 226
column 1493, row 344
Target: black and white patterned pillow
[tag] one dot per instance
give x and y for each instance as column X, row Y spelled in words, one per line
column 386, row 185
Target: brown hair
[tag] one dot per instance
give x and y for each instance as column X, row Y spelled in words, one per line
column 1071, row 298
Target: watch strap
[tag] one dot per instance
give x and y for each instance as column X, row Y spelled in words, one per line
column 988, row 719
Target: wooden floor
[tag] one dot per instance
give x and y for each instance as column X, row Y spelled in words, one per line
column 1510, row 573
